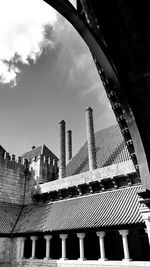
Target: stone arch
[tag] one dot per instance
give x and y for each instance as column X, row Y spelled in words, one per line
column 109, row 76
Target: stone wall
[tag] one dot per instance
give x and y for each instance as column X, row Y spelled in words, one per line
column 12, row 181
column 86, row 177
column 15, row 186
column 60, row 263
column 9, row 250
column 43, row 169
column 5, row 251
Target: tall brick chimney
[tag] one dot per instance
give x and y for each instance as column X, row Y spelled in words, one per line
column 91, row 139
column 62, row 149
column 69, row 145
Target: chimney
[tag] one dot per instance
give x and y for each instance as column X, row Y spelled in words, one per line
column 62, row 149
column 69, row 145
column 90, row 139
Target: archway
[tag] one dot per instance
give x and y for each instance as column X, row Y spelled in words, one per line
column 121, row 104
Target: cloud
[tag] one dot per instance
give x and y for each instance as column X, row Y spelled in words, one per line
column 76, row 67
column 98, row 90
column 24, row 27
column 73, row 2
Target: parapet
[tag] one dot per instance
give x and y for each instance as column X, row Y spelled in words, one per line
column 45, row 160
column 10, row 161
column 47, row 167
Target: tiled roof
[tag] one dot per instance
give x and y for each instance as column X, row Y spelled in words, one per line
column 111, row 208
column 32, row 153
column 110, row 149
column 39, row 150
column 8, row 216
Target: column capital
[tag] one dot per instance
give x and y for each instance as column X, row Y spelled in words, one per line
column 124, row 232
column 81, row 235
column 47, row 237
column 100, row 234
column 34, row 238
column 63, row 236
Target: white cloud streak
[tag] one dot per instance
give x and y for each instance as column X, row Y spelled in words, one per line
column 22, row 36
column 98, row 90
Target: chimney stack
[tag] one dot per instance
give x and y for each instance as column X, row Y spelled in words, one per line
column 90, row 139
column 69, row 145
column 62, row 149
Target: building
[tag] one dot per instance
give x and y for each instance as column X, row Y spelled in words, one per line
column 86, row 213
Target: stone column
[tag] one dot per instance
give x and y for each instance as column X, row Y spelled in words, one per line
column 145, row 211
column 33, row 238
column 63, row 239
column 91, row 139
column 47, row 238
column 81, row 245
column 69, row 145
column 145, row 229
column 22, row 246
column 62, row 149
column 101, row 244
column 124, row 234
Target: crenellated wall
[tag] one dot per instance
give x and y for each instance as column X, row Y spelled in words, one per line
column 43, row 169
column 19, row 176
column 12, row 179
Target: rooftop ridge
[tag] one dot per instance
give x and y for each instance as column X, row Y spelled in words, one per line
column 40, row 150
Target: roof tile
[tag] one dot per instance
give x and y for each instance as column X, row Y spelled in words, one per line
column 106, row 209
column 110, row 149
column 9, row 214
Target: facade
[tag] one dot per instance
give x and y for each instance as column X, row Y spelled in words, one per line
column 87, row 212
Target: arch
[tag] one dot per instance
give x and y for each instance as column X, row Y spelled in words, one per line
column 108, row 74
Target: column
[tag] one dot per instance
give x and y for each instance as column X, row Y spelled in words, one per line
column 47, row 238
column 69, row 145
column 145, row 229
column 124, row 234
column 145, row 211
column 147, row 222
column 62, row 149
column 22, row 241
column 33, row 238
column 91, row 139
column 81, row 245
column 101, row 244
column 63, row 239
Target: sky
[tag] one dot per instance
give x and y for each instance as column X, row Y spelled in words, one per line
column 46, row 74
